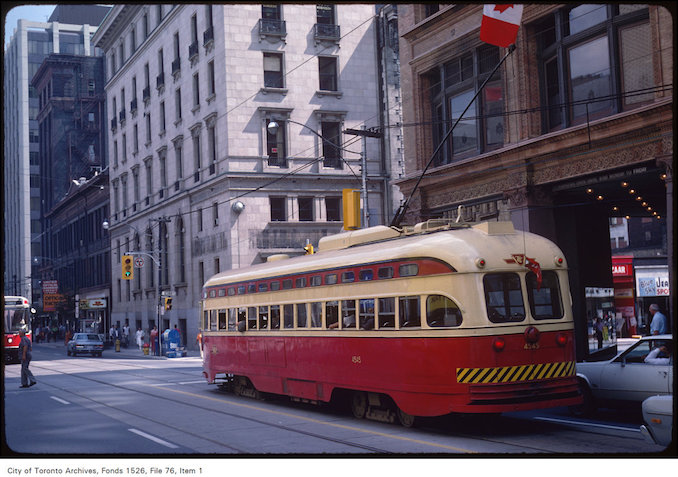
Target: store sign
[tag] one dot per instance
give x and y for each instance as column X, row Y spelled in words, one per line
column 622, row 270
column 652, row 281
column 50, row 301
column 93, row 304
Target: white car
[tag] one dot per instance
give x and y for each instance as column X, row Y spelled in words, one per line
column 626, row 378
column 658, row 419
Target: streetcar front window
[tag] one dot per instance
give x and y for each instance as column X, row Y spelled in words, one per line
column 544, row 297
column 504, row 297
column 16, row 320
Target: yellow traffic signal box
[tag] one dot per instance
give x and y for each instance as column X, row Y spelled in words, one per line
column 128, row 267
column 351, row 205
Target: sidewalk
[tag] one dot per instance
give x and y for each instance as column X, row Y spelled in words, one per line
column 131, row 351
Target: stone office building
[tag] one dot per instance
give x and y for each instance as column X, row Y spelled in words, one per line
column 199, row 182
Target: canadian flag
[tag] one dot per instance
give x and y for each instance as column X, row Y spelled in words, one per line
column 500, row 24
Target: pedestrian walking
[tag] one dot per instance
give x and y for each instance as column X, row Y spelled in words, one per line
column 25, row 348
column 139, row 338
column 658, row 323
column 599, row 332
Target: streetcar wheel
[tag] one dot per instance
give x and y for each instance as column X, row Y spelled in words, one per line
column 406, row 420
column 359, row 404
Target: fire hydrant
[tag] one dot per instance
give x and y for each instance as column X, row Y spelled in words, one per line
column 145, row 348
column 117, row 346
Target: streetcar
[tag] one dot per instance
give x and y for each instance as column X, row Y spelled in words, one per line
column 427, row 320
column 17, row 312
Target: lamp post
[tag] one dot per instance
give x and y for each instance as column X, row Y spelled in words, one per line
column 156, row 256
column 273, row 127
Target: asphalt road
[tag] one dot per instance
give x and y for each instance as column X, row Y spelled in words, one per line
column 128, row 404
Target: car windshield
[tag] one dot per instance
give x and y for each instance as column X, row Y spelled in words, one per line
column 91, row 337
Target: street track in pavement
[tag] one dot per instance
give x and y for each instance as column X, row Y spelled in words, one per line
column 169, row 391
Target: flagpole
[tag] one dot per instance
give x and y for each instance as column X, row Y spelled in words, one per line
column 403, row 208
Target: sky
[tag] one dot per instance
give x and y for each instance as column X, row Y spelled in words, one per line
column 37, row 13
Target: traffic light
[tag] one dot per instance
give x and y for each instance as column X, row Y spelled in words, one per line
column 351, row 203
column 127, row 267
column 168, row 303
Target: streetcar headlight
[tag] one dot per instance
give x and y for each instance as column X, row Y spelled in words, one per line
column 499, row 343
column 561, row 339
column 480, row 262
column 9, row 340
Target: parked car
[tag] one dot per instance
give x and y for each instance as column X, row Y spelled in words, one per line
column 626, row 378
column 658, row 420
column 85, row 343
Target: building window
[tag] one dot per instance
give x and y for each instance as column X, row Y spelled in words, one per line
column 211, row 84
column 124, row 148
column 177, row 105
column 278, row 209
column 327, row 70
column 276, row 145
column 273, row 77
column 599, row 63
column 333, row 209
column 162, row 117
column 149, row 181
column 212, row 147
column 200, row 227
column 180, row 244
column 451, row 87
column 196, row 90
column 135, row 138
column 331, row 133
column 148, row 128
column 305, row 209
column 178, row 146
column 196, row 155
column 215, row 214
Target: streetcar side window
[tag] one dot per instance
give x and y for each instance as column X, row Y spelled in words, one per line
column 288, row 312
column 241, row 289
column 544, row 297
column 252, row 288
column 409, row 311
column 332, row 314
column 251, row 318
column 222, row 319
column 442, row 312
column 287, row 284
column 316, row 281
column 366, row 275
column 275, row 317
column 231, row 291
column 408, row 270
column 316, row 315
column 213, row 320
column 263, row 317
column 347, row 277
column 503, row 297
column 386, row 312
column 275, row 286
column 242, row 318
column 348, row 314
column 385, row 272
column 232, row 318
column 300, row 282
column 302, row 313
column 366, row 318
column 263, row 287
column 331, row 279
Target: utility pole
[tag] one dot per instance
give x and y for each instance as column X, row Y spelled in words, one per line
column 364, row 133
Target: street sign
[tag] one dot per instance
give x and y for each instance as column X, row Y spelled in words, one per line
column 139, row 262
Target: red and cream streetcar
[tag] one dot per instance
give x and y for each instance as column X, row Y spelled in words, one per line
column 17, row 312
column 427, row 320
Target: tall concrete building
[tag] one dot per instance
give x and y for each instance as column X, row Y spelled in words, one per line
column 30, row 44
column 227, row 141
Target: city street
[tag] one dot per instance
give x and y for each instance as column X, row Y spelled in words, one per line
column 130, row 404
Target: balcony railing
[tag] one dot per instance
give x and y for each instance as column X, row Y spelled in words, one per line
column 324, row 31
column 147, row 93
column 121, row 116
column 208, row 36
column 176, row 65
column 160, row 80
column 133, row 105
column 114, row 123
column 192, row 50
column 268, row 26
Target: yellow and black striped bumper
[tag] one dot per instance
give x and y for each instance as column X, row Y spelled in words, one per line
column 512, row 374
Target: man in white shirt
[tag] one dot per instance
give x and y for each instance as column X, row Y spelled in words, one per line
column 659, row 355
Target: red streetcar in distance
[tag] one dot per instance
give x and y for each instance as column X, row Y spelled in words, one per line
column 17, row 312
column 438, row 318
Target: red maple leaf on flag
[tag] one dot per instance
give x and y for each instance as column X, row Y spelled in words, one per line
column 502, row 8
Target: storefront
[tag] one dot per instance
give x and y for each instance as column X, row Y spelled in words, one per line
column 91, row 313
column 652, row 286
column 624, row 300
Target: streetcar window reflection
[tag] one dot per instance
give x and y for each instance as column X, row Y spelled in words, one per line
column 409, row 311
column 348, row 314
column 302, row 313
column 503, row 297
column 222, row 319
column 544, row 297
column 442, row 311
column 288, row 312
column 232, row 318
column 251, row 318
column 275, row 317
column 387, row 312
column 316, row 315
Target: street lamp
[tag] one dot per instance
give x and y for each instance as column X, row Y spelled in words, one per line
column 272, row 127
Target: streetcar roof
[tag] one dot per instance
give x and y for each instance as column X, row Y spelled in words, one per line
column 487, row 245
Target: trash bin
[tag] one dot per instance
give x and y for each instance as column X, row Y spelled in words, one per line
column 171, row 342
